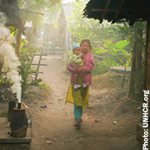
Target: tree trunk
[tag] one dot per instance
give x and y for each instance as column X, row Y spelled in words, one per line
column 147, row 63
column 133, row 60
column 138, row 49
column 20, row 31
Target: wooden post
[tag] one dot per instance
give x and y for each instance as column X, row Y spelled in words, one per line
column 131, row 84
column 18, row 42
column 147, row 63
column 32, row 57
column 39, row 64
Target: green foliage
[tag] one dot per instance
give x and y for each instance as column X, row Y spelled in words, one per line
column 97, row 50
column 45, row 88
column 122, row 44
column 38, row 6
column 69, row 53
column 44, row 85
column 52, row 14
column 34, row 82
column 13, row 31
column 2, row 80
column 127, row 31
column 98, row 69
column 114, row 51
column 103, row 36
column 5, row 113
column 26, row 54
column 82, row 27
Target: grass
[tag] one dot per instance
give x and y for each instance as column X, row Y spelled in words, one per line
column 41, row 89
column 109, row 79
column 45, row 88
column 34, row 82
column 99, row 70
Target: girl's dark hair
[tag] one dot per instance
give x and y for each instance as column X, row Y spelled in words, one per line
column 88, row 41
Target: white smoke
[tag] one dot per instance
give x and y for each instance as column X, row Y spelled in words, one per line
column 9, row 58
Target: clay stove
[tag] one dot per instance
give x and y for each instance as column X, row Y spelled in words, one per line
column 19, row 122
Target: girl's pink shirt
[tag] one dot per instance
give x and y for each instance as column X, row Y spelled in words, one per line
column 87, row 68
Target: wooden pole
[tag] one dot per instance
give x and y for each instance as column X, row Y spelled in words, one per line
column 131, row 84
column 39, row 64
column 18, row 42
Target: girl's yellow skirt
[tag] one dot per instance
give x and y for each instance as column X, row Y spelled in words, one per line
column 78, row 96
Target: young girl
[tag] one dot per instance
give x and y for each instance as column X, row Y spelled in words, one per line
column 80, row 96
column 76, row 60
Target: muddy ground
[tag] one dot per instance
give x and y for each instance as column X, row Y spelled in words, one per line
column 109, row 123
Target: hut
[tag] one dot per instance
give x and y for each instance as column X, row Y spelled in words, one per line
column 121, row 11
column 63, row 22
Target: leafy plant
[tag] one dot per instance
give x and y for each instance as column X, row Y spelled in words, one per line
column 38, row 6
column 35, row 82
column 81, row 27
column 114, row 51
column 26, row 54
column 2, row 80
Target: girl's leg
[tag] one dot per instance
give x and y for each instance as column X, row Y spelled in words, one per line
column 77, row 112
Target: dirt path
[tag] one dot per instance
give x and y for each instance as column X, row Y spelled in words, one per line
column 56, row 122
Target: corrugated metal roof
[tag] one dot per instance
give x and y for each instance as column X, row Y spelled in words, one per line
column 118, row 10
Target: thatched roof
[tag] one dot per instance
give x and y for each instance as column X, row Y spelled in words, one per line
column 118, row 10
column 10, row 8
